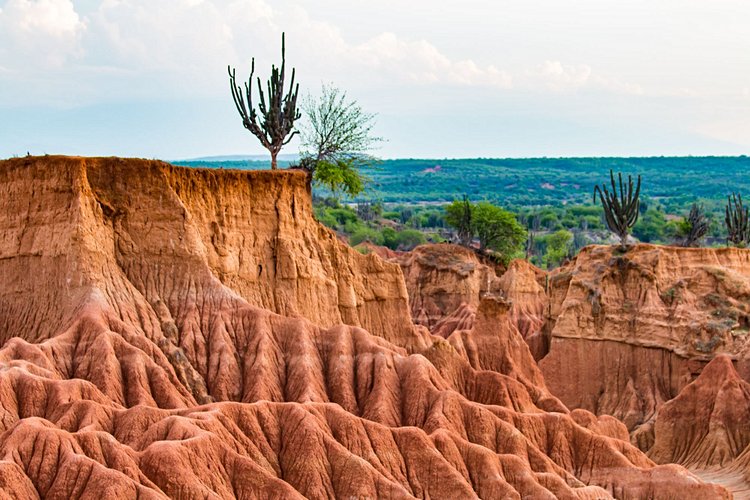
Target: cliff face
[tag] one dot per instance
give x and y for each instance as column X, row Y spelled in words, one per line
column 181, row 333
column 706, row 425
column 630, row 330
column 440, row 278
column 446, row 284
column 629, row 334
column 252, row 230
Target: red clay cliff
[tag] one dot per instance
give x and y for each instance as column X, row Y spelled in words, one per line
column 184, row 333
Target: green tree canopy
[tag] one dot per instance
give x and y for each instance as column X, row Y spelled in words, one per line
column 459, row 215
column 559, row 246
column 337, row 140
column 340, row 176
column 651, row 227
column 497, row 229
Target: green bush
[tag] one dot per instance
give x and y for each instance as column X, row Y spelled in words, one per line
column 650, row 228
column 389, row 236
column 353, row 226
column 343, row 215
column 325, row 218
column 559, row 246
column 409, row 238
column 366, row 234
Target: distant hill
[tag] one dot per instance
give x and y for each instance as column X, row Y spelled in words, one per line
column 237, row 158
column 672, row 181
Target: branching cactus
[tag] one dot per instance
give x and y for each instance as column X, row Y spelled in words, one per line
column 736, row 220
column 278, row 110
column 621, row 205
column 697, row 225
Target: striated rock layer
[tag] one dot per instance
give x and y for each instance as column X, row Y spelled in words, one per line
column 706, row 425
column 169, row 332
column 446, row 283
column 630, row 330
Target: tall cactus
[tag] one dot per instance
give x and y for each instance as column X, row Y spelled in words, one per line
column 621, row 206
column 278, row 113
column 697, row 225
column 465, row 227
column 736, row 220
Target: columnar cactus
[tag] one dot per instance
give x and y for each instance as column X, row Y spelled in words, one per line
column 278, row 113
column 621, row 207
column 697, row 225
column 736, row 220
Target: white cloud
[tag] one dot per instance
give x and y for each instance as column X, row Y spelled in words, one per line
column 40, row 32
column 159, row 34
column 180, row 48
column 385, row 54
column 422, row 63
column 559, row 76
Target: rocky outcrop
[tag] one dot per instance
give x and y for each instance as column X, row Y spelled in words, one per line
column 628, row 333
column 706, row 425
column 441, row 278
column 446, row 284
column 181, row 333
column 630, row 330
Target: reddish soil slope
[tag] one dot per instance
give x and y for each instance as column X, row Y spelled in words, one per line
column 630, row 330
column 706, row 425
column 446, row 283
column 169, row 332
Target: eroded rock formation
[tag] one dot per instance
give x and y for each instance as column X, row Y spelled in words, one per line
column 181, row 333
column 446, row 284
column 707, row 424
column 630, row 330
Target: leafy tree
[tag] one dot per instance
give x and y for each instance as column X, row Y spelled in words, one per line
column 409, row 238
column 497, row 229
column 459, row 215
column 366, row 234
column 406, row 214
column 651, row 227
column 276, row 125
column 340, row 176
column 390, row 238
column 569, row 221
column 326, row 218
column 548, row 219
column 559, row 246
column 644, row 206
column 591, row 222
column 433, row 219
column 343, row 215
column 337, row 141
column 393, row 215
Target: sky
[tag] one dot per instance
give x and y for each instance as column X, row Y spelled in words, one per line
column 494, row 78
